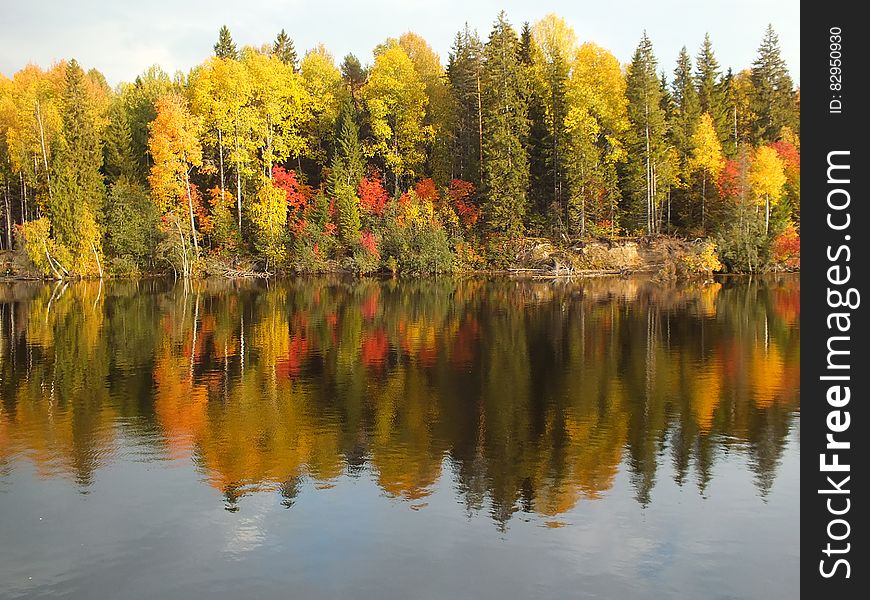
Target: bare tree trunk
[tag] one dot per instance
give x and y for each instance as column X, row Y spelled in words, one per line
column 480, row 126
column 42, row 143
column 704, row 202
column 23, row 198
column 239, row 195
column 8, row 213
column 50, row 264
column 97, row 256
column 221, row 154
column 766, row 214
column 190, row 209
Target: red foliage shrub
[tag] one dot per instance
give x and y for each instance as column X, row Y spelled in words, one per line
column 372, row 195
column 460, row 193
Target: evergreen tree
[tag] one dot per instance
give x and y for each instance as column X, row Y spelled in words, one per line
column 554, row 48
column 682, row 123
column 348, row 166
column 687, row 107
column 729, row 104
column 773, row 96
column 464, row 71
column 506, row 166
column 537, row 143
column 354, row 75
column 118, row 148
column 225, row 47
column 708, row 78
column 285, row 51
column 77, row 202
column 646, row 139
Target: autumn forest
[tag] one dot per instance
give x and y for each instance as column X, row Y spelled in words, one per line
column 267, row 160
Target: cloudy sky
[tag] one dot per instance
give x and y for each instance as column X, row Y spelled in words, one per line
column 121, row 38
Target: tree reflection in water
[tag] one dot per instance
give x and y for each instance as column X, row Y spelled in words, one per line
column 533, row 394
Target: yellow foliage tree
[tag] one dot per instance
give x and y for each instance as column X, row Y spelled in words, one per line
column 767, row 179
column 706, row 158
column 175, row 148
column 396, row 100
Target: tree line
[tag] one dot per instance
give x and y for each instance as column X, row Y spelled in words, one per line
column 259, row 157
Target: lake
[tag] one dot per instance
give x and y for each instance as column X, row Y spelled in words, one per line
column 442, row 438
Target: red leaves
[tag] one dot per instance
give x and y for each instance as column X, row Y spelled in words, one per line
column 787, row 247
column 372, row 195
column 426, row 190
column 460, row 193
column 788, row 153
column 729, row 180
column 370, row 243
column 297, row 193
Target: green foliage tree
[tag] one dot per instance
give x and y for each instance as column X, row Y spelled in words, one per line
column 708, row 78
column 773, row 96
column 537, row 143
column 284, row 50
column 506, row 165
column 647, row 147
column 464, row 71
column 552, row 54
column 225, row 46
column 348, row 168
column 79, row 193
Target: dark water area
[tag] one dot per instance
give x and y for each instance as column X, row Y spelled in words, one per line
column 444, row 438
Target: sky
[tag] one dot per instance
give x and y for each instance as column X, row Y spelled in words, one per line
column 122, row 38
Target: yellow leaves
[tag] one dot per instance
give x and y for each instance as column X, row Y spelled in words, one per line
column 767, row 176
column 396, row 99
column 554, row 39
column 269, row 216
column 706, row 149
column 174, row 147
column 280, row 105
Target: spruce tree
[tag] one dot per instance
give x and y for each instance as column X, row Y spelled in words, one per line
column 225, row 46
column 708, row 78
column 537, row 143
column 77, row 202
column 773, row 94
column 118, row 158
column 646, row 139
column 464, row 71
column 348, row 165
column 683, row 120
column 505, row 118
column 354, row 76
column 686, row 104
column 284, row 50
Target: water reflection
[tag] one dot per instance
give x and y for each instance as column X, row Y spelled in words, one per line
column 520, row 395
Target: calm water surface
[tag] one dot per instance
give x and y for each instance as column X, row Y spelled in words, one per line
column 320, row 438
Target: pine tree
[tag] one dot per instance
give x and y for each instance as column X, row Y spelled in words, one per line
column 773, row 95
column 225, row 47
column 537, row 143
column 506, row 166
column 284, row 50
column 646, row 143
column 464, row 71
